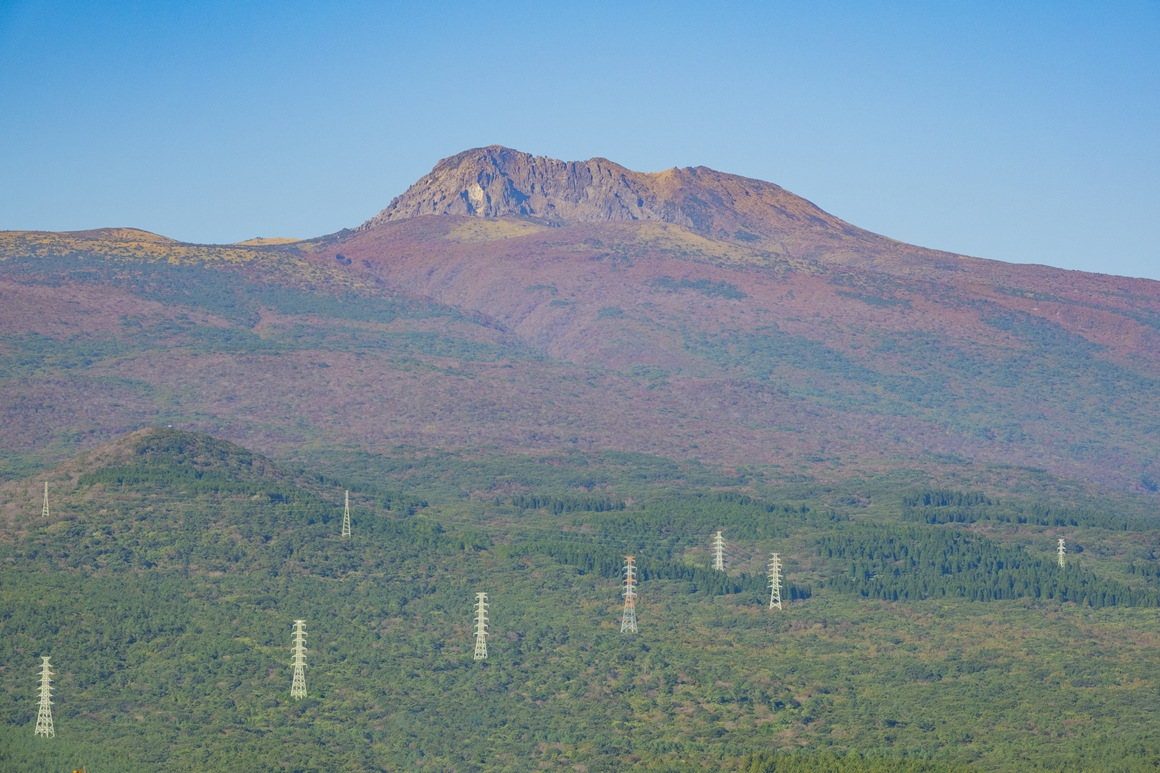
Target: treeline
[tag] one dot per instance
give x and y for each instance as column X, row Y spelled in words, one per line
column 173, row 516
column 668, row 526
column 912, row 564
column 937, row 507
column 787, row 762
column 558, row 505
column 167, row 459
column 605, row 562
column 386, row 499
column 1148, row 571
column 233, row 535
column 944, row 498
column 165, row 479
column 194, row 482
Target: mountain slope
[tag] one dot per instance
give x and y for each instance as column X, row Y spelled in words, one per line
column 578, row 329
column 847, row 363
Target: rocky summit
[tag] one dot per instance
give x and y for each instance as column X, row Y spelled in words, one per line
column 496, row 181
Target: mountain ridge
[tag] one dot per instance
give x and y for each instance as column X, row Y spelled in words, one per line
column 451, row 331
column 496, row 181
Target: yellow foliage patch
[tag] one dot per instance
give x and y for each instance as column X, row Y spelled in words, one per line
column 490, row 230
column 128, row 245
column 121, row 234
column 675, row 239
column 123, row 243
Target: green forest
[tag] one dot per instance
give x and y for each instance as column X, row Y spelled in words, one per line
column 924, row 629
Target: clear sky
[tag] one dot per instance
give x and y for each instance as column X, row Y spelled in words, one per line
column 1026, row 132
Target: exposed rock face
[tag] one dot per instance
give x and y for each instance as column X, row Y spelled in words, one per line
column 497, row 181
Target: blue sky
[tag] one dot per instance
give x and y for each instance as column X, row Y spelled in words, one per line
column 1026, row 132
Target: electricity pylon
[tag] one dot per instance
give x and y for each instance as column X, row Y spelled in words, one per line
column 628, row 621
column 774, row 582
column 44, row 718
column 719, row 553
column 44, row 510
column 480, row 626
column 346, row 517
column 1062, row 553
column 298, row 686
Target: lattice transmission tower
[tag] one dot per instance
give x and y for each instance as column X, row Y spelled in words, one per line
column 44, row 717
column 1062, row 553
column 719, row 553
column 774, row 582
column 44, row 510
column 298, row 686
column 346, row 517
column 628, row 621
column 480, row 626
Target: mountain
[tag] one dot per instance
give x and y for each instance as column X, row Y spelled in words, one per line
column 496, row 182
column 579, row 307
column 522, row 371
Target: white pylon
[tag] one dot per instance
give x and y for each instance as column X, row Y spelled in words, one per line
column 44, row 510
column 346, row 517
column 628, row 621
column 774, row 582
column 298, row 686
column 1062, row 553
column 44, row 717
column 719, row 553
column 480, row 626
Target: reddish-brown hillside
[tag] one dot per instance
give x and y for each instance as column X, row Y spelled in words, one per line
column 580, row 306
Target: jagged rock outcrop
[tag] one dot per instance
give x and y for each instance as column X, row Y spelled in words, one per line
column 496, row 181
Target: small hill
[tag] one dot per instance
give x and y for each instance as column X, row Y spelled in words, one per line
column 122, row 235
column 154, row 448
column 147, row 463
column 193, row 454
column 169, row 499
